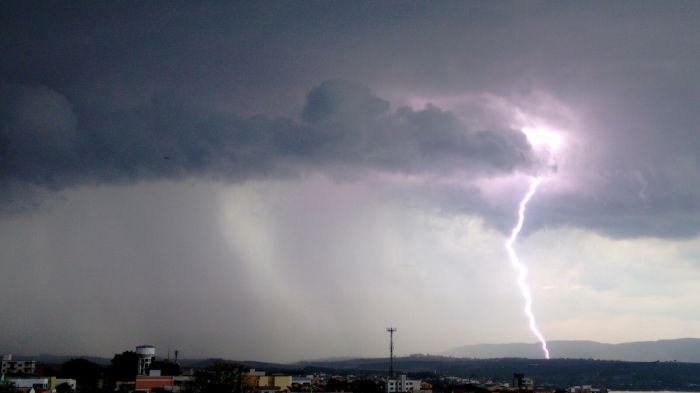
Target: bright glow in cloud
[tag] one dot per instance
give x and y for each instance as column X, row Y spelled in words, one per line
column 542, row 137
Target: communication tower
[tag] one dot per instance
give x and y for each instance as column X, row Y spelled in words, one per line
column 391, row 331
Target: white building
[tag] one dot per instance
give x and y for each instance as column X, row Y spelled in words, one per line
column 255, row 373
column 301, row 380
column 583, row 389
column 41, row 383
column 402, row 385
column 319, row 378
column 37, row 383
column 17, row 366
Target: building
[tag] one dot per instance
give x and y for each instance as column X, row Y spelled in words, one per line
column 181, row 382
column 583, row 389
column 402, row 384
column 41, row 384
column 36, row 383
column 522, row 382
column 280, row 382
column 319, row 378
column 301, row 380
column 146, row 354
column 269, row 383
column 17, row 366
column 145, row 383
column 255, row 373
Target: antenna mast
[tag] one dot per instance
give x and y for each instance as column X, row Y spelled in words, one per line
column 391, row 331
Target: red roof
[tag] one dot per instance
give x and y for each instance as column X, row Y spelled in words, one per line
column 146, row 383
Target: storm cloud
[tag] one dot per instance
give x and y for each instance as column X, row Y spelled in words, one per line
column 295, row 171
column 167, row 92
column 342, row 125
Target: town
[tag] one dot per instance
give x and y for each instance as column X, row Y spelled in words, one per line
column 140, row 370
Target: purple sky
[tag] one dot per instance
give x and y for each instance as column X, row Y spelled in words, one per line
column 283, row 180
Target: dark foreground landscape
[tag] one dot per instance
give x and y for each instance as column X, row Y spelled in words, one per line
column 616, row 375
column 551, row 374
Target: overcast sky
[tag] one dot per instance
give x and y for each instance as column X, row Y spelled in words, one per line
column 284, row 180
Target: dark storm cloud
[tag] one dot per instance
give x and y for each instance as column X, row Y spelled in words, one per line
column 344, row 124
column 138, row 82
column 115, row 117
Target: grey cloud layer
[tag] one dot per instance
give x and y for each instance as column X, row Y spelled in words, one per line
column 133, row 83
column 344, row 124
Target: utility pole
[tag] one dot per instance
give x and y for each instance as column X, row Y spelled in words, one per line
column 391, row 331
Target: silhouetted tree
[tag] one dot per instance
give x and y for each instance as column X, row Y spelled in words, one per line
column 366, row 386
column 166, row 367
column 337, row 385
column 85, row 373
column 64, row 388
column 220, row 377
column 124, row 366
column 7, row 387
column 47, row 369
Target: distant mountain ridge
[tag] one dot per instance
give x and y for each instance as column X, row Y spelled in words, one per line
column 58, row 359
column 682, row 350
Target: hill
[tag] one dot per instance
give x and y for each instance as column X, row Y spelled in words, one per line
column 682, row 350
column 557, row 373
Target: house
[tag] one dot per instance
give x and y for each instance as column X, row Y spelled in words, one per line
column 267, row 383
column 17, row 366
column 402, row 384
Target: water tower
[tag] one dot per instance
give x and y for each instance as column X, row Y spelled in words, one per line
column 146, row 354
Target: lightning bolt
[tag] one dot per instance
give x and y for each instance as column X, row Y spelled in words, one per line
column 521, row 268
